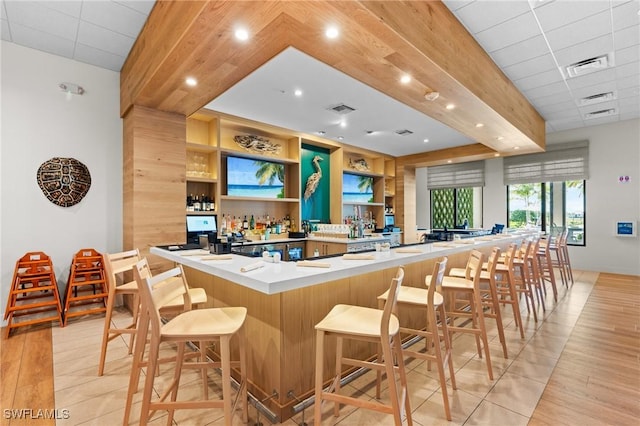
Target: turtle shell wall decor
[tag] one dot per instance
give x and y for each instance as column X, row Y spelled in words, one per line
column 64, row 181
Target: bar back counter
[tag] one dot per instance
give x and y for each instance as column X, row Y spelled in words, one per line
column 285, row 300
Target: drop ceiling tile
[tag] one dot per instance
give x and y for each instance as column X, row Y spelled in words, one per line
column 113, row 16
column 625, row 15
column 627, row 37
column 566, row 124
column 520, row 52
column 42, row 19
column 556, row 98
column 6, row 34
column 544, row 91
column 454, row 5
column 602, row 120
column 581, row 51
column 586, row 29
column 583, row 92
column 71, row 8
column 560, row 13
column 4, row 12
column 630, row 103
column 518, row 29
column 629, row 92
column 39, row 40
column 555, row 108
column 98, row 58
column 565, row 114
column 598, row 107
column 142, row 6
column 628, row 82
column 592, row 79
column 627, row 55
column 480, row 15
column 530, row 67
column 100, row 38
column 628, row 70
column 538, row 80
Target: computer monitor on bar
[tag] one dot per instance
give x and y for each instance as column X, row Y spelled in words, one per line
column 201, row 225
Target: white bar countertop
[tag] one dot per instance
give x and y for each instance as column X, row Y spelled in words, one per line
column 273, row 278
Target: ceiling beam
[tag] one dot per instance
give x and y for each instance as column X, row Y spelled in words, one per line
column 379, row 41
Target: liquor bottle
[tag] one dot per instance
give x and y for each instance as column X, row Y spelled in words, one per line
column 245, row 223
column 224, row 224
column 190, row 202
column 204, row 203
column 252, row 223
column 196, row 204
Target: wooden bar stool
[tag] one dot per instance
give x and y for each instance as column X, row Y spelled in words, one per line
column 436, row 333
column 34, row 290
column 506, row 287
column 86, row 291
column 368, row 325
column 116, row 266
column 200, row 325
column 558, row 247
column 488, row 291
column 465, row 303
column 545, row 267
column 522, row 278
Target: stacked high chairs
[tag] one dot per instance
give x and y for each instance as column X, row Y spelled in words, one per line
column 86, row 291
column 34, row 291
column 200, row 325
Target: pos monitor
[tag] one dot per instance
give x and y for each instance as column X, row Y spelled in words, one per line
column 201, row 225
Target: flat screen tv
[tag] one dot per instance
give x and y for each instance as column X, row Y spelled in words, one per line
column 255, row 178
column 357, row 188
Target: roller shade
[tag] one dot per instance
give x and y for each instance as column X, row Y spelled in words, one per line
column 561, row 162
column 463, row 175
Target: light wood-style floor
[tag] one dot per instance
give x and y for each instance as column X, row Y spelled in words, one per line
column 580, row 366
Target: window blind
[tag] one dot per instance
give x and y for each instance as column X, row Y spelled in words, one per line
column 561, row 162
column 463, row 175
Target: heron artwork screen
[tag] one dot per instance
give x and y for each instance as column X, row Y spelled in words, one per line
column 255, row 178
column 357, row 188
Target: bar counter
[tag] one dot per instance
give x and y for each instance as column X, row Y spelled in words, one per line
column 285, row 301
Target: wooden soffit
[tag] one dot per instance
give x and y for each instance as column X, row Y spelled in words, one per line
column 379, row 41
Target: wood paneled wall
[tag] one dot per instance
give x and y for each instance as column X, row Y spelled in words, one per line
column 154, row 189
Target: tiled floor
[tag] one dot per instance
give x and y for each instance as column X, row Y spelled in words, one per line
column 509, row 399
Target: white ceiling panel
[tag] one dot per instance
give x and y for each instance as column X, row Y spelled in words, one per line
column 46, row 42
column 103, row 39
column 518, row 29
column 43, row 19
column 627, row 37
column 114, row 16
column 628, row 70
column 552, row 109
column 564, row 12
column 477, row 19
column 530, row 67
column 71, row 8
column 142, row 6
column 539, row 80
column 581, row 51
column 100, row 58
column 592, row 79
column 557, row 98
column 520, row 52
column 625, row 15
column 6, row 34
column 3, row 11
column 586, row 29
column 583, row 92
column 628, row 55
column 548, row 90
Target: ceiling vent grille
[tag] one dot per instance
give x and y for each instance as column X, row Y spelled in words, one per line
column 404, row 132
column 590, row 65
column 600, row 114
column 341, row 109
column 594, row 99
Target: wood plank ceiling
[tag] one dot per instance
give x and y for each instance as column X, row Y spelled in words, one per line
column 378, row 42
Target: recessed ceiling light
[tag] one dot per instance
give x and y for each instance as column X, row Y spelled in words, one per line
column 450, row 106
column 191, row 81
column 425, row 140
column 479, row 125
column 340, row 138
column 332, row 32
column 516, row 147
column 343, row 123
column 500, row 138
column 497, row 154
column 405, row 79
column 242, row 34
column 321, row 132
column 298, row 92
column 449, row 161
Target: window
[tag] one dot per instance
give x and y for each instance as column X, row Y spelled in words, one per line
column 549, row 206
column 452, row 206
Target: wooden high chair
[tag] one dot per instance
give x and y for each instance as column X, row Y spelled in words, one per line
column 34, row 290
column 86, row 291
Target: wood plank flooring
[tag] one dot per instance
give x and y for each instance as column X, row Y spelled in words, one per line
column 597, row 378
column 594, row 379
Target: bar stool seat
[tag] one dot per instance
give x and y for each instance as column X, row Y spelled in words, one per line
column 200, row 325
column 370, row 325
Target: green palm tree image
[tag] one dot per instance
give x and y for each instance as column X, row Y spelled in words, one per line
column 268, row 172
column 365, row 184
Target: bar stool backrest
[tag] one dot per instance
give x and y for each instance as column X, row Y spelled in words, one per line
column 119, row 263
column 436, row 282
column 390, row 303
column 156, row 291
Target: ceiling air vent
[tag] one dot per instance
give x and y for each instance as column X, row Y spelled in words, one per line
column 594, row 99
column 404, row 132
column 600, row 114
column 589, row 65
column 341, row 109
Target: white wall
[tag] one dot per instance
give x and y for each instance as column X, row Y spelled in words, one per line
column 38, row 123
